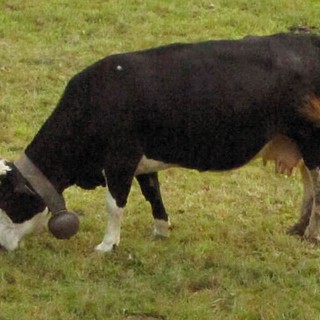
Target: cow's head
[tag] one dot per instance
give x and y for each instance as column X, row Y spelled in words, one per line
column 17, row 198
column 21, row 200
column 18, row 203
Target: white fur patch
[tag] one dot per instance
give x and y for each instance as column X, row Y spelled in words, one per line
column 8, row 235
column 161, row 228
column 3, row 168
column 149, row 165
column 12, row 233
column 112, row 235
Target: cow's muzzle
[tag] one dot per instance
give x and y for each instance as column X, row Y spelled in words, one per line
column 63, row 224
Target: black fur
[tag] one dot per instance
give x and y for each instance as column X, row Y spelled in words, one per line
column 208, row 106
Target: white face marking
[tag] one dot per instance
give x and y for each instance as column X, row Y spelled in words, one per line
column 149, row 165
column 3, row 168
column 112, row 235
column 8, row 235
column 12, row 233
column 119, row 68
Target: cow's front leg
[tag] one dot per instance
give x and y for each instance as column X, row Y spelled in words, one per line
column 112, row 235
column 306, row 208
column 118, row 179
column 150, row 188
column 313, row 230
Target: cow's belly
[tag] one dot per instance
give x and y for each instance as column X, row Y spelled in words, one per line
column 281, row 150
column 199, row 156
column 198, row 159
column 149, row 165
column 204, row 147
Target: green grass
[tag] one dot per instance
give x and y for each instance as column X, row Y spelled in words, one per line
column 228, row 256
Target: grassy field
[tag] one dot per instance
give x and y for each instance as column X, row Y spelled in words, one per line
column 228, row 256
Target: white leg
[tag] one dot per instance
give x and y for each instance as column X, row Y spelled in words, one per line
column 112, row 235
column 12, row 233
column 9, row 238
column 161, row 228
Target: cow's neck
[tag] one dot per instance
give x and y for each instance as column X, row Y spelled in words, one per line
column 62, row 147
column 40, row 184
column 51, row 164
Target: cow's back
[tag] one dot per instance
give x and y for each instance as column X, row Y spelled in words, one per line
column 213, row 105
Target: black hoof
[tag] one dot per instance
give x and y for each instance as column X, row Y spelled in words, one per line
column 297, row 230
column 64, row 225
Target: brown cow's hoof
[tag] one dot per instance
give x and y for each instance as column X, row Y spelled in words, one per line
column 64, row 225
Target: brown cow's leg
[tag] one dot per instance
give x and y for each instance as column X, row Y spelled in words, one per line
column 306, row 207
column 313, row 230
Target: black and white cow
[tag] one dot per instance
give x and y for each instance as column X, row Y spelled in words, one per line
column 207, row 106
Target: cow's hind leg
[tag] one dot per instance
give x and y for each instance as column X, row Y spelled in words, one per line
column 313, row 229
column 306, row 207
column 150, row 188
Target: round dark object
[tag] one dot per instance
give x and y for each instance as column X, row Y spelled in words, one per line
column 64, row 225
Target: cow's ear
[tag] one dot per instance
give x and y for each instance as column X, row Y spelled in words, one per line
column 24, row 189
